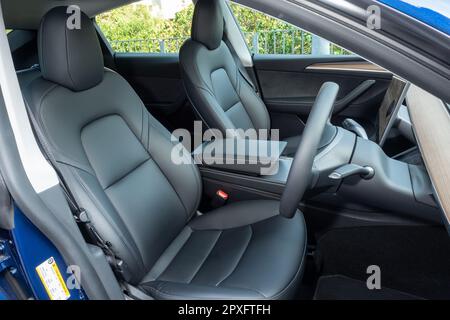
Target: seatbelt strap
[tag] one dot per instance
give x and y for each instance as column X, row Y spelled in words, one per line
column 242, row 71
column 79, row 213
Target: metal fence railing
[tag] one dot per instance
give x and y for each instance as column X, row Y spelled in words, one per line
column 289, row 41
column 279, row 42
column 170, row 45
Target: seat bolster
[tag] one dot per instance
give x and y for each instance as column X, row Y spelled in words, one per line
column 236, row 215
column 188, row 291
column 254, row 105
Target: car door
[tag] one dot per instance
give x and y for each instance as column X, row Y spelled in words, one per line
column 290, row 65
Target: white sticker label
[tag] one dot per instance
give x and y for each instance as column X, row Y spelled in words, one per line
column 52, row 280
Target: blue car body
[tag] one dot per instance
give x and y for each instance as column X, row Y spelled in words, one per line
column 435, row 13
column 21, row 251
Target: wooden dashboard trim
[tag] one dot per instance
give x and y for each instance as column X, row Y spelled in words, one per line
column 363, row 66
column 430, row 119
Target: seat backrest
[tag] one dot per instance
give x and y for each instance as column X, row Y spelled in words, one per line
column 218, row 91
column 114, row 156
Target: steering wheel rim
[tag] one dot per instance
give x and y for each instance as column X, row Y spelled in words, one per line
column 301, row 169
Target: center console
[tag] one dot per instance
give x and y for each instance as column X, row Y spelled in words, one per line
column 348, row 172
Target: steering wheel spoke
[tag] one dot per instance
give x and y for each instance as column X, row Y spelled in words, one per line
column 301, row 168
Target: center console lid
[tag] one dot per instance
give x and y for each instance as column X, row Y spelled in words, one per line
column 252, row 157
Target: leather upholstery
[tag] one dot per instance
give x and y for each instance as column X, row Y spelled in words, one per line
column 116, row 160
column 221, row 95
column 207, row 26
column 72, row 58
column 241, row 251
column 214, row 83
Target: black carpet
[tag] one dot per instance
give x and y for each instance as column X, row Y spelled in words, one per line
column 339, row 287
column 414, row 260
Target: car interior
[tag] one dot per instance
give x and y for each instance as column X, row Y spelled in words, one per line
column 351, row 192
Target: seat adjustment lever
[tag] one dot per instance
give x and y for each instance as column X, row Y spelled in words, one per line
column 351, row 169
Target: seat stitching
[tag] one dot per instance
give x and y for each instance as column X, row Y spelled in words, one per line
column 204, row 261
column 237, row 92
column 265, row 107
column 173, row 295
column 142, row 125
column 216, row 112
column 127, row 174
column 245, row 110
column 148, row 135
column 75, row 166
column 167, row 179
column 173, row 259
column 240, row 258
column 206, row 257
column 67, row 57
column 232, row 106
column 197, row 70
column 242, row 287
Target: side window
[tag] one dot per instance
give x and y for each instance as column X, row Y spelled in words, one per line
column 148, row 26
column 265, row 34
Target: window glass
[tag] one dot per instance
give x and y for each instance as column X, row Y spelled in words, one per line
column 150, row 26
column 265, row 34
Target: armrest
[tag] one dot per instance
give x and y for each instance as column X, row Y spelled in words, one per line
column 253, row 157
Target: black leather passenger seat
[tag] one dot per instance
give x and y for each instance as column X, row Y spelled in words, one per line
column 214, row 82
column 116, row 160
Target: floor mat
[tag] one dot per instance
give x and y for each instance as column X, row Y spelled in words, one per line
column 339, row 287
column 411, row 259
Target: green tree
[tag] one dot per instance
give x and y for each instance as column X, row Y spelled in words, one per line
column 134, row 29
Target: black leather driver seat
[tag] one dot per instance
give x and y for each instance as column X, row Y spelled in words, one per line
column 116, row 159
column 214, row 82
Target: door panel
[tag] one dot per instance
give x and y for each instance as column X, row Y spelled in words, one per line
column 157, row 80
column 155, row 77
column 290, row 83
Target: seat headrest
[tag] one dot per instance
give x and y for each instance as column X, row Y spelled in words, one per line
column 68, row 56
column 207, row 23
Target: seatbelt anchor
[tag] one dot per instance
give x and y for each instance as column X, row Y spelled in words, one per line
column 82, row 216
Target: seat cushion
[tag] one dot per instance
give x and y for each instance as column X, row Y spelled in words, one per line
column 244, row 250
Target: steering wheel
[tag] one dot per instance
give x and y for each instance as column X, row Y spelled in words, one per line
column 301, row 169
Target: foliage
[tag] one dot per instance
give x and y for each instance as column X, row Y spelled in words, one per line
column 265, row 34
column 134, row 29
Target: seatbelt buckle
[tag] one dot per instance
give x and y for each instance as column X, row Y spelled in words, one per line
column 220, row 198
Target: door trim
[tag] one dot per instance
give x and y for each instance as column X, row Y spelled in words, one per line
column 356, row 66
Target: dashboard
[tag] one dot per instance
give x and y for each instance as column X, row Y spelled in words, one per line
column 430, row 120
